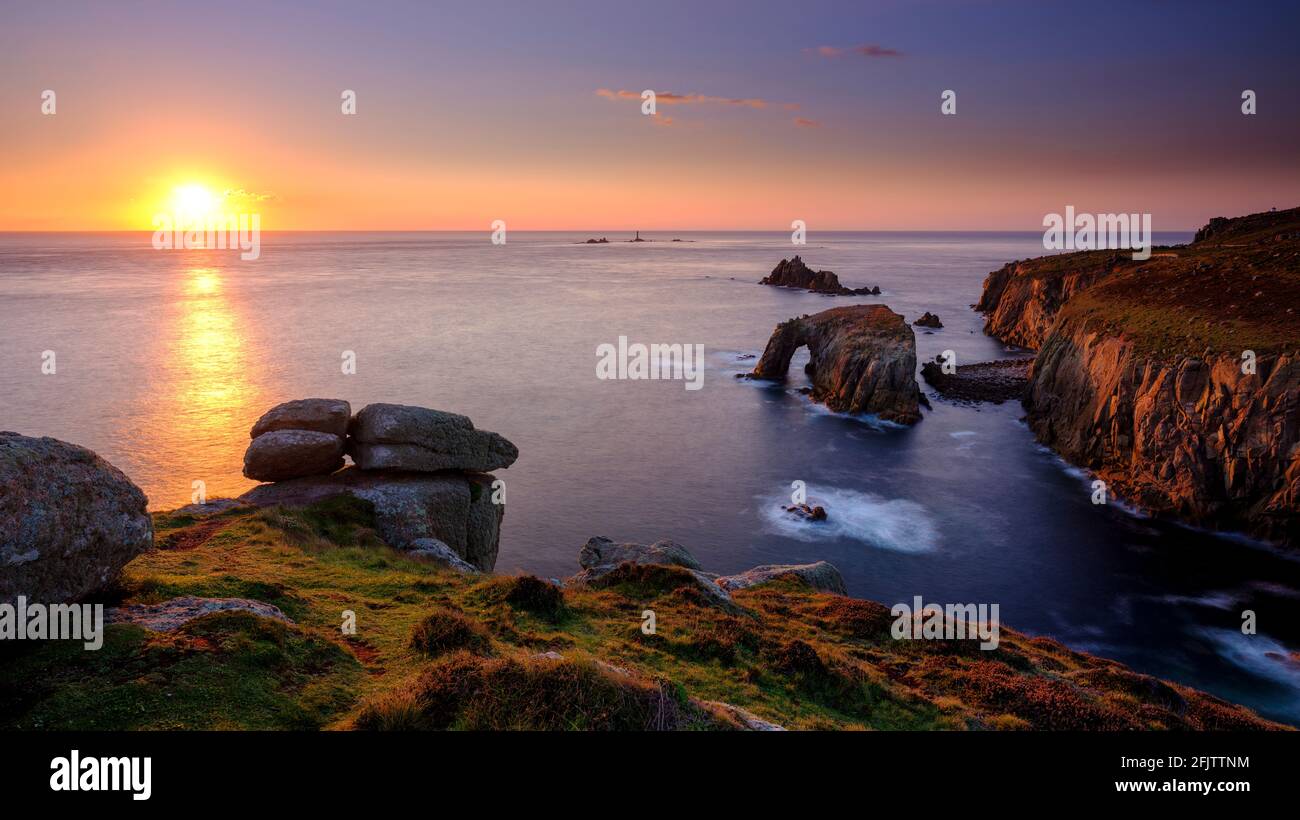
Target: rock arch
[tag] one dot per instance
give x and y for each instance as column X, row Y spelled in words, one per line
column 862, row 360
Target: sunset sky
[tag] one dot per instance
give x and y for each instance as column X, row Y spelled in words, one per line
column 471, row 112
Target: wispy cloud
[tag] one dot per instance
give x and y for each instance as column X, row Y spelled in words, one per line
column 669, row 98
column 867, row 50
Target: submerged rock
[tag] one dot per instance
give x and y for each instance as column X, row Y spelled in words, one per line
column 69, row 520
column 403, row 437
column 804, row 511
column 452, row 508
column 863, row 360
column 793, row 273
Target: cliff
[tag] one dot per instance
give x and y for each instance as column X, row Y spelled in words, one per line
column 1176, row 380
column 1020, row 299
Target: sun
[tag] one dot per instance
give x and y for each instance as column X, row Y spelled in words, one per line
column 194, row 201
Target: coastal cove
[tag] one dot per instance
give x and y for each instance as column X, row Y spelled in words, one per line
column 963, row 506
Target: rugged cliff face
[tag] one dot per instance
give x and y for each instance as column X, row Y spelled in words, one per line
column 862, row 360
column 1021, row 299
column 1176, row 380
column 1187, row 436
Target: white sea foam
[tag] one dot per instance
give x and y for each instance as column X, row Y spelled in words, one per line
column 885, row 523
column 1259, row 655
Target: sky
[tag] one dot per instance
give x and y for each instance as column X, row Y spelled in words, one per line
column 767, row 112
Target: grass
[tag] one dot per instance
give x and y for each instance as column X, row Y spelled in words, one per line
column 434, row 649
column 1226, row 294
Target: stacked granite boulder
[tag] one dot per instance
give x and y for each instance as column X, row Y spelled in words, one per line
column 297, row 439
column 425, row 472
column 399, row 437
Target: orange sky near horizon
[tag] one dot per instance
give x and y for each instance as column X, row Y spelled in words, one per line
column 525, row 117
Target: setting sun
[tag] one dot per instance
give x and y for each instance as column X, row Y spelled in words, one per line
column 194, row 201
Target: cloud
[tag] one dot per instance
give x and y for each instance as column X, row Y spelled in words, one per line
column 867, row 50
column 669, row 98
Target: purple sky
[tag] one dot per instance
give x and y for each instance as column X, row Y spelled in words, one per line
column 826, row 112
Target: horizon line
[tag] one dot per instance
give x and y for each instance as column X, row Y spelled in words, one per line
column 606, row 231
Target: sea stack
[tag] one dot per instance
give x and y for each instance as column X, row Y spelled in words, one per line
column 793, row 273
column 863, row 360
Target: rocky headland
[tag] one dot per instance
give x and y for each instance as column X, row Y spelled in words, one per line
column 862, row 360
column 793, row 273
column 1176, row 379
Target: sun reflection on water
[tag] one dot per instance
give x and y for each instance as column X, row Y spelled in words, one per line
column 210, row 392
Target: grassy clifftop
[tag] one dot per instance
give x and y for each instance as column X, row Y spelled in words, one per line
column 1237, row 287
column 437, row 649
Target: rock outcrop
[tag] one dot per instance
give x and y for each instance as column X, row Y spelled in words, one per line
column 298, row 438
column 423, row 470
column 431, row 549
column 863, row 360
column 170, row 616
column 601, row 557
column 69, row 520
column 401, row 437
column 1175, row 379
column 994, row 382
column 453, row 508
column 820, row 576
column 928, row 319
column 793, row 273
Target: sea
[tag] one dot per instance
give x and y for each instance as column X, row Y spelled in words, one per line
column 161, row 360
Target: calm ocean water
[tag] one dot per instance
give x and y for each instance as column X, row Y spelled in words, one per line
column 165, row 359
